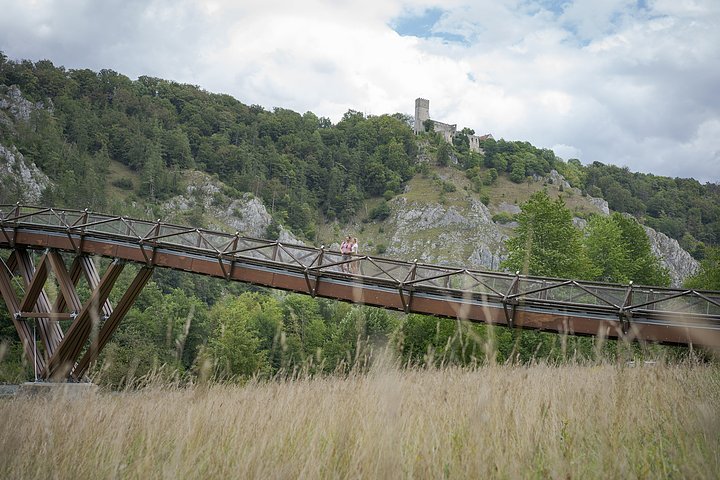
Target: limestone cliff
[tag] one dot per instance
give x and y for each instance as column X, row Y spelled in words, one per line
column 246, row 214
column 20, row 181
column 462, row 235
column 14, row 107
column 679, row 263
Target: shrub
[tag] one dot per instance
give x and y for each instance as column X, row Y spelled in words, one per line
column 503, row 218
column 448, row 187
column 123, row 183
column 381, row 212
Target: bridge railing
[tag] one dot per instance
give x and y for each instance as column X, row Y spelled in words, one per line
column 499, row 287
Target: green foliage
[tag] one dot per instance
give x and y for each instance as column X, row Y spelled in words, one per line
column 643, row 267
column 546, row 242
column 163, row 328
column 517, row 174
column 518, row 159
column 606, row 250
column 443, row 154
column 272, row 231
column 298, row 164
column 503, row 217
column 708, row 278
column 447, row 187
column 672, row 206
column 381, row 212
column 304, row 167
column 235, row 341
column 490, row 176
column 573, row 172
column 123, row 183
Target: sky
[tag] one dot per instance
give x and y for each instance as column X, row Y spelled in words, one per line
column 630, row 83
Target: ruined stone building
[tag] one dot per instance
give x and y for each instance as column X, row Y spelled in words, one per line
column 448, row 131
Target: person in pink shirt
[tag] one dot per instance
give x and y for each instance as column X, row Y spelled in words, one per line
column 346, row 249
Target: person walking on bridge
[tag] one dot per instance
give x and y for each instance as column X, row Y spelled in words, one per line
column 345, row 250
column 354, row 252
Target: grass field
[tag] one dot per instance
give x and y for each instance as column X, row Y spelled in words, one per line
column 605, row 421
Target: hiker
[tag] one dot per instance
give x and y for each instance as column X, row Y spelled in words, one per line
column 354, row 252
column 346, row 249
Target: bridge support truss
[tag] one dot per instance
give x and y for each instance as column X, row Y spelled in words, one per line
column 64, row 354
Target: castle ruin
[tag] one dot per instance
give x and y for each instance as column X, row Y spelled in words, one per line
column 447, row 130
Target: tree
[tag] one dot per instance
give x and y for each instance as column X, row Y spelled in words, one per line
column 606, row 250
column 620, row 252
column 546, row 242
column 708, row 278
column 518, row 171
column 235, row 342
column 443, row 154
column 643, row 267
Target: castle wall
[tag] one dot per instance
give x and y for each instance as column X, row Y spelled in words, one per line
column 447, row 130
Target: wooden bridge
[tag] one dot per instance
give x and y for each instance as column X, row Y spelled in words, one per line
column 664, row 315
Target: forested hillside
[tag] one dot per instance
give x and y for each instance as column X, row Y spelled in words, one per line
column 124, row 146
column 298, row 163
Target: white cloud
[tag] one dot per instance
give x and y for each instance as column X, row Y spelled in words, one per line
column 606, row 81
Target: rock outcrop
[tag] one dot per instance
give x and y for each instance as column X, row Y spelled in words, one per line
column 434, row 233
column 14, row 107
column 246, row 215
column 679, row 263
column 20, row 181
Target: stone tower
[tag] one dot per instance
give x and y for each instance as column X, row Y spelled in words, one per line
column 422, row 113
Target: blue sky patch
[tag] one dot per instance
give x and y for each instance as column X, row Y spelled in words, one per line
column 422, row 26
column 417, row 25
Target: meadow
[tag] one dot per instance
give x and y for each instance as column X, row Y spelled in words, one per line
column 500, row 421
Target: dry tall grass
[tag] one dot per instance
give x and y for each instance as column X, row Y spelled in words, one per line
column 659, row 421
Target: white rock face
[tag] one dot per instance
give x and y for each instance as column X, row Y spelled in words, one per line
column 434, row 233
column 510, row 208
column 17, row 175
column 15, row 106
column 679, row 262
column 601, row 204
column 246, row 215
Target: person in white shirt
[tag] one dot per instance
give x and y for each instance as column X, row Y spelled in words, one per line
column 354, row 251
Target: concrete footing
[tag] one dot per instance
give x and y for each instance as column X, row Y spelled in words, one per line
column 64, row 390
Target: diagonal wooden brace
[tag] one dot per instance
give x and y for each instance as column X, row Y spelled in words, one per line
column 50, row 331
column 112, row 322
column 13, row 306
column 83, row 264
column 63, row 361
column 37, row 282
column 64, row 281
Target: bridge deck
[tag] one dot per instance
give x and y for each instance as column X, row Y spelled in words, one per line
column 665, row 315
